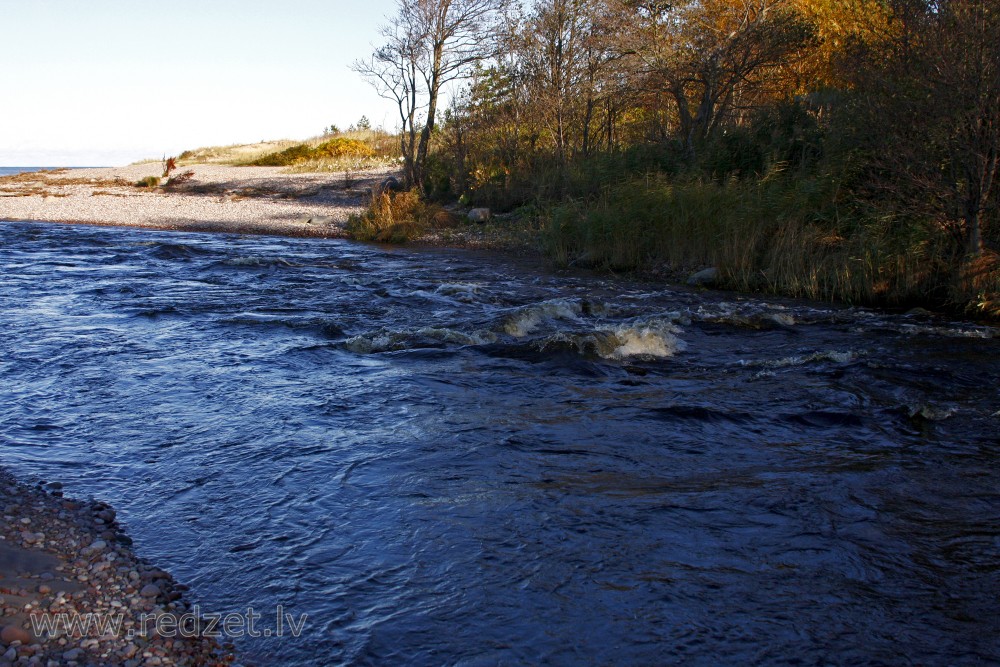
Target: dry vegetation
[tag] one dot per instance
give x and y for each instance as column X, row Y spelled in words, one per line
column 50, row 183
column 397, row 217
column 345, row 152
column 835, row 150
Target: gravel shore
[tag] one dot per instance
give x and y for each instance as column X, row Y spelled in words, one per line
column 65, row 559
column 218, row 198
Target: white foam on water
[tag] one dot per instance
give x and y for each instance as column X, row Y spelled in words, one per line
column 949, row 331
column 464, row 292
column 654, row 339
column 645, row 341
column 527, row 319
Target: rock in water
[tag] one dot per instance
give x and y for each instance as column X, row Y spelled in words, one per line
column 480, row 215
column 704, row 278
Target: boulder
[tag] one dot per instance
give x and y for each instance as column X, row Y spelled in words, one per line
column 704, row 278
column 14, row 633
column 391, row 184
column 480, row 215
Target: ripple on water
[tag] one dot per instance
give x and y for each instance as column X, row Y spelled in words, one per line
column 446, row 459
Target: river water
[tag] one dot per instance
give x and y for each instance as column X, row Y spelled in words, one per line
column 447, row 458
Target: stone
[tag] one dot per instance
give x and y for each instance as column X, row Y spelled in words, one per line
column 704, row 278
column 73, row 654
column 321, row 220
column 480, row 215
column 390, row 184
column 150, row 591
column 13, row 633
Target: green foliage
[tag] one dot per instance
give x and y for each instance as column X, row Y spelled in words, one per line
column 363, row 125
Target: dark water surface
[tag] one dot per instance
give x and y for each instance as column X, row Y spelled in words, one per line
column 447, row 459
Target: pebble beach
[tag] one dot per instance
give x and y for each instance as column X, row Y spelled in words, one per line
column 202, row 197
column 63, row 559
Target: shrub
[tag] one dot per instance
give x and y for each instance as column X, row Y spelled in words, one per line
column 342, row 147
column 338, row 148
column 397, row 217
column 284, row 158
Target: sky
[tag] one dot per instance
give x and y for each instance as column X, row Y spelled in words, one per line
column 110, row 82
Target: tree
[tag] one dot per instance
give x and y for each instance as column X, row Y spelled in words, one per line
column 430, row 43
column 934, row 95
column 717, row 58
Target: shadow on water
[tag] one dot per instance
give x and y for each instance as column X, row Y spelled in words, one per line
column 448, row 459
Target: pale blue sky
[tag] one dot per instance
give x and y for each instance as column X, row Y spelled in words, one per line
column 108, row 82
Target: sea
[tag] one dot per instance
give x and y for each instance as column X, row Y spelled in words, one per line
column 13, row 171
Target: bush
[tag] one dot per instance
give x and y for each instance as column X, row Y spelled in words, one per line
column 341, row 147
column 285, row 158
column 397, row 217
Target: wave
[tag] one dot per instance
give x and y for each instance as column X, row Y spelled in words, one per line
column 463, row 292
column 172, row 251
column 833, row 356
column 255, row 261
column 746, row 315
column 323, row 327
column 408, row 339
column 652, row 339
column 527, row 319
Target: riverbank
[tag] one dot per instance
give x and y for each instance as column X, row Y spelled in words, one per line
column 203, row 197
column 631, row 233
column 63, row 560
column 221, row 198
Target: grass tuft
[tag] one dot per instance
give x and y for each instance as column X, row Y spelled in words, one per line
column 398, row 217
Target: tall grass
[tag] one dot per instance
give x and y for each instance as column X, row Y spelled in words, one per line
column 397, row 217
column 774, row 234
